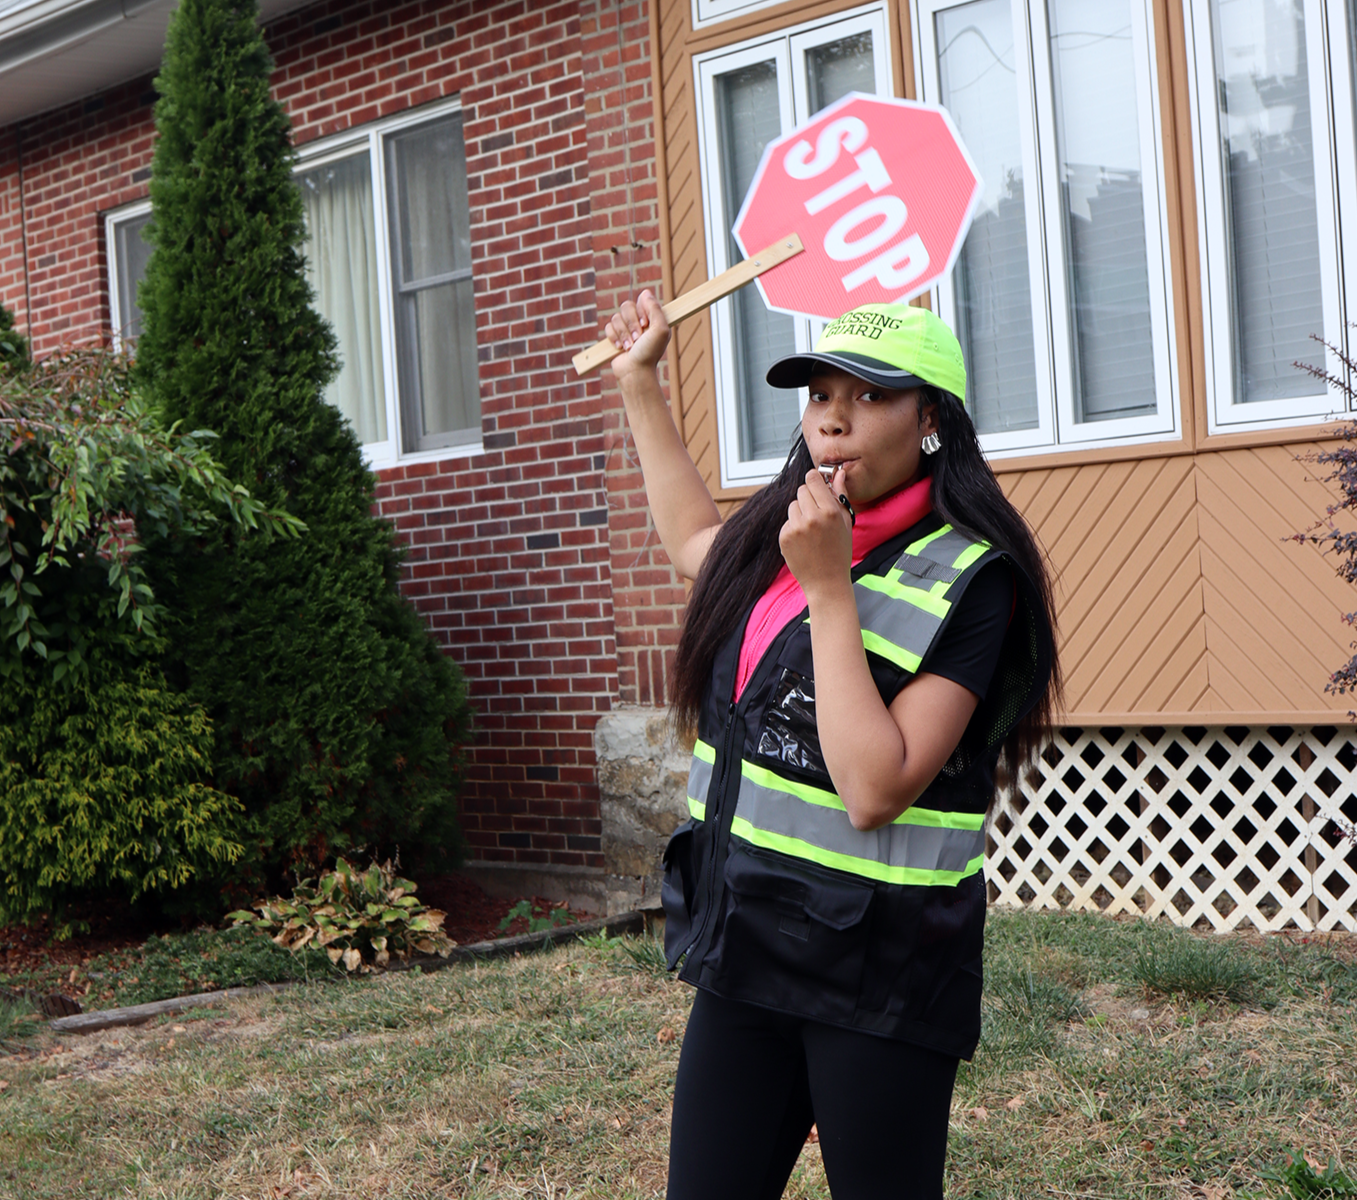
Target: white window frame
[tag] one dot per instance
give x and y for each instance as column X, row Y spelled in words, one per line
column 782, row 47
column 112, row 219
column 370, row 139
column 1329, row 58
column 1053, row 323
column 710, row 12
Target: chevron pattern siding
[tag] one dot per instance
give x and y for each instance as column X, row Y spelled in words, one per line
column 1179, row 596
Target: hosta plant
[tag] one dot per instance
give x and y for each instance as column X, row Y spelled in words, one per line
column 360, row 918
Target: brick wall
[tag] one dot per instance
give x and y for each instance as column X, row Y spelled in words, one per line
column 515, row 553
column 646, row 593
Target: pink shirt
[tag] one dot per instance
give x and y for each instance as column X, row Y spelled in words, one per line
column 784, row 598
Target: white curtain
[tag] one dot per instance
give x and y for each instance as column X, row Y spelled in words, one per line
column 341, row 264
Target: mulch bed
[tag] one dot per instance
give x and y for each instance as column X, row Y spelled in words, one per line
column 472, row 916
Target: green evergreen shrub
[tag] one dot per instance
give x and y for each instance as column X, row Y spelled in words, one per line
column 13, row 345
column 102, row 790
column 337, row 719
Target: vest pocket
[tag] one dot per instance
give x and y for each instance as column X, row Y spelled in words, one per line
column 794, row 936
column 789, row 737
column 677, row 891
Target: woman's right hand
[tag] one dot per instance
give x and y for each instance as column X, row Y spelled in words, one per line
column 641, row 332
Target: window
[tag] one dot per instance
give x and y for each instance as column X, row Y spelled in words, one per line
column 1274, row 125
column 389, row 259
column 1060, row 294
column 748, row 95
column 706, row 12
column 128, row 255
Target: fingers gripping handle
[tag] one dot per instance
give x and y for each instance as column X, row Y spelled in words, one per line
column 700, row 297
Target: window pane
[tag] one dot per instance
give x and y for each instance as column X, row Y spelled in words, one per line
column 1098, row 141
column 341, row 266
column 435, row 313
column 837, row 68
column 976, row 65
column 441, row 345
column 435, row 226
column 133, row 253
column 1263, row 89
column 749, row 117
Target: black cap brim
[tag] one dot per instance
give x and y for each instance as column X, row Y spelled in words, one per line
column 795, row 370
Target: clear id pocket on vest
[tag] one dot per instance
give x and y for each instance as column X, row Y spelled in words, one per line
column 789, row 735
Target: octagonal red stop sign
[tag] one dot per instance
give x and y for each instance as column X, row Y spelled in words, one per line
column 881, row 192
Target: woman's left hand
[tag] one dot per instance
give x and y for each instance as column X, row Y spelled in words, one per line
column 817, row 540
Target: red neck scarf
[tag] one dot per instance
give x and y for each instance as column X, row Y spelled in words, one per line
column 784, row 598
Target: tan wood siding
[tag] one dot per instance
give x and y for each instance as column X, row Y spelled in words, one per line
column 1180, row 597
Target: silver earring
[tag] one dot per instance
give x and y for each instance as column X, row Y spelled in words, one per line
column 931, row 444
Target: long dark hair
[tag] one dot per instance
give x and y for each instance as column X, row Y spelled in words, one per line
column 745, row 558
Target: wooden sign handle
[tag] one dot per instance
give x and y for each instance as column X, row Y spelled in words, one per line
column 700, row 297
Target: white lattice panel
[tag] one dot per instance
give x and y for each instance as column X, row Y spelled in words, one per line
column 1223, row 826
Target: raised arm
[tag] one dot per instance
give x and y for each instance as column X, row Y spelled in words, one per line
column 686, row 516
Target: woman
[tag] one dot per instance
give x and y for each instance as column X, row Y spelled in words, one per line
column 868, row 638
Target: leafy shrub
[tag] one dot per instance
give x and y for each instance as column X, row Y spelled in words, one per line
column 102, row 790
column 360, row 918
column 338, row 720
column 86, row 474
column 105, row 772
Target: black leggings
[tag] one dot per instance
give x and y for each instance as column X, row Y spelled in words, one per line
column 752, row 1082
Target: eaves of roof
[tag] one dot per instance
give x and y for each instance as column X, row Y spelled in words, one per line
column 55, row 51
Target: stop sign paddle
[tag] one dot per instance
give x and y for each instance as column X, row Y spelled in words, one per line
column 868, row 202
column 881, row 191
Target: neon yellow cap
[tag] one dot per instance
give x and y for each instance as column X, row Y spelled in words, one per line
column 892, row 345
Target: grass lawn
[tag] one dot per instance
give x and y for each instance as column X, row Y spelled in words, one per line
column 1120, row 1059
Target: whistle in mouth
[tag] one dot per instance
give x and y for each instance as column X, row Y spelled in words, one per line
column 827, row 472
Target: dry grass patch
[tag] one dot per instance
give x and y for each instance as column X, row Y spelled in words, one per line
column 552, row 1075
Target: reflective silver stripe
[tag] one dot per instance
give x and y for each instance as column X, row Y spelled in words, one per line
column 699, row 780
column 901, row 610
column 902, row 852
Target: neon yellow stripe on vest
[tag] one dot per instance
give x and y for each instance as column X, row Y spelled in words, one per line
column 901, row 657
column 881, row 872
column 970, row 554
column 915, row 547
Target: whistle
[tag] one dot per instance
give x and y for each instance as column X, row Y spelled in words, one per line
column 827, row 472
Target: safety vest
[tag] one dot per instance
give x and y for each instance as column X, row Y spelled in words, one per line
column 771, row 892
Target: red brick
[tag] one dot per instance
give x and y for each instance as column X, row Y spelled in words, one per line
column 550, row 264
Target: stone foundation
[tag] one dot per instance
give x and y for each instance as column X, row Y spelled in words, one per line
column 643, row 790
